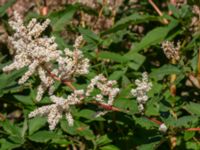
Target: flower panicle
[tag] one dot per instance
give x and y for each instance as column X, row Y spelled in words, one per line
column 39, row 53
column 140, row 92
column 171, row 51
column 60, row 106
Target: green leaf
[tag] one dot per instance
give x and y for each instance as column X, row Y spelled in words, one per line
column 125, row 81
column 136, row 60
column 132, row 19
column 109, row 147
column 156, row 89
column 89, row 114
column 112, row 56
column 192, row 145
column 86, row 113
column 189, row 135
column 133, row 66
column 124, row 92
column 116, row 75
column 154, row 36
column 152, row 108
column 149, row 146
column 185, row 121
column 8, row 81
column 24, row 127
column 103, row 140
column 193, row 108
column 145, row 123
column 11, row 129
column 7, row 145
column 42, row 136
column 6, row 6
column 126, row 104
column 61, row 18
column 62, row 44
column 26, row 100
column 16, row 139
column 61, row 141
column 159, row 73
column 89, row 36
column 174, row 10
column 79, row 128
column 86, row 133
column 35, row 124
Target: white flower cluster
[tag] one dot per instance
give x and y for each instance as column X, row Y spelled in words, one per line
column 170, row 50
column 32, row 51
column 38, row 52
column 143, row 86
column 106, row 88
column 194, row 25
column 72, row 63
column 60, row 106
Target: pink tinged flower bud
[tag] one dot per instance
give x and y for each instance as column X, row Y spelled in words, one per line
column 163, row 128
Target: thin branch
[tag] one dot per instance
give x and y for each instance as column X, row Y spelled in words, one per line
column 192, row 129
column 155, row 121
column 69, row 84
column 107, row 107
column 165, row 21
column 66, row 82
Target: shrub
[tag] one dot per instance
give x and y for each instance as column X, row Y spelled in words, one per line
column 107, row 75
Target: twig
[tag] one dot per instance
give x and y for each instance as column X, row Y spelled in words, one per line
column 69, row 84
column 66, row 82
column 107, row 107
column 192, row 129
column 155, row 121
column 165, row 21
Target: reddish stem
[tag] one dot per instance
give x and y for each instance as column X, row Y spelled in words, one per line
column 192, row 129
column 66, row 82
column 155, row 121
column 107, row 107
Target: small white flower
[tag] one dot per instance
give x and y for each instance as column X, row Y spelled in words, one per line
column 163, row 128
column 140, row 92
column 72, row 64
column 170, row 50
column 59, row 107
column 106, row 89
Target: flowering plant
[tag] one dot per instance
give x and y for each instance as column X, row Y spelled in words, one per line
column 76, row 77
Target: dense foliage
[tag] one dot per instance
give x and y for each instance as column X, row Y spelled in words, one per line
column 122, row 39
